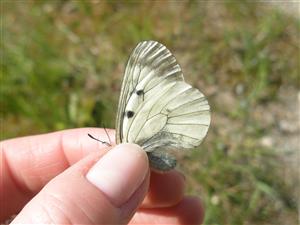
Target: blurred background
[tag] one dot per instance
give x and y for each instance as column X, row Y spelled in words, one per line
column 63, row 61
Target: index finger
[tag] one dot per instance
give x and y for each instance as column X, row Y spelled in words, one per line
column 28, row 163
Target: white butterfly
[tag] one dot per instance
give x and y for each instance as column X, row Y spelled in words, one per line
column 157, row 109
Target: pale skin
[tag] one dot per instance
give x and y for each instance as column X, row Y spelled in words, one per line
column 56, row 178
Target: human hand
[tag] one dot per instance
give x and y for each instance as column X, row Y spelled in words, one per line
column 65, row 177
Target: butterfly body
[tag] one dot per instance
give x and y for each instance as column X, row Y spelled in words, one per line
column 157, row 109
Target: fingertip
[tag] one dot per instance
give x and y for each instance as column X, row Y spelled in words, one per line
column 166, row 189
column 191, row 210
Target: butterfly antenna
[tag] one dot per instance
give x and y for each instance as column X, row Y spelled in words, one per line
column 107, row 136
column 102, row 142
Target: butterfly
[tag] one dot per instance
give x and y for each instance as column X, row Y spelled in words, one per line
column 157, row 109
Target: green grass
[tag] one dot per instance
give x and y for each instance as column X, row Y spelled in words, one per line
column 62, row 65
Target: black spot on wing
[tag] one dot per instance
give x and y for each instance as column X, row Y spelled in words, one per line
column 129, row 114
column 140, row 92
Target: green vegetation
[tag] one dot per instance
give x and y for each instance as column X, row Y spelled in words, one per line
column 63, row 61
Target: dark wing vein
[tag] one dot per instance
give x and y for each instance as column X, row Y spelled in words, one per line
column 191, row 113
column 191, row 124
column 195, row 100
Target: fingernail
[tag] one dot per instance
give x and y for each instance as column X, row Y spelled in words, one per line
column 120, row 172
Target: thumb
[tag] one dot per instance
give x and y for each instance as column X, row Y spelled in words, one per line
column 99, row 189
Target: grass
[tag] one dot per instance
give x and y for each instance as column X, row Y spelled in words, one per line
column 62, row 64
